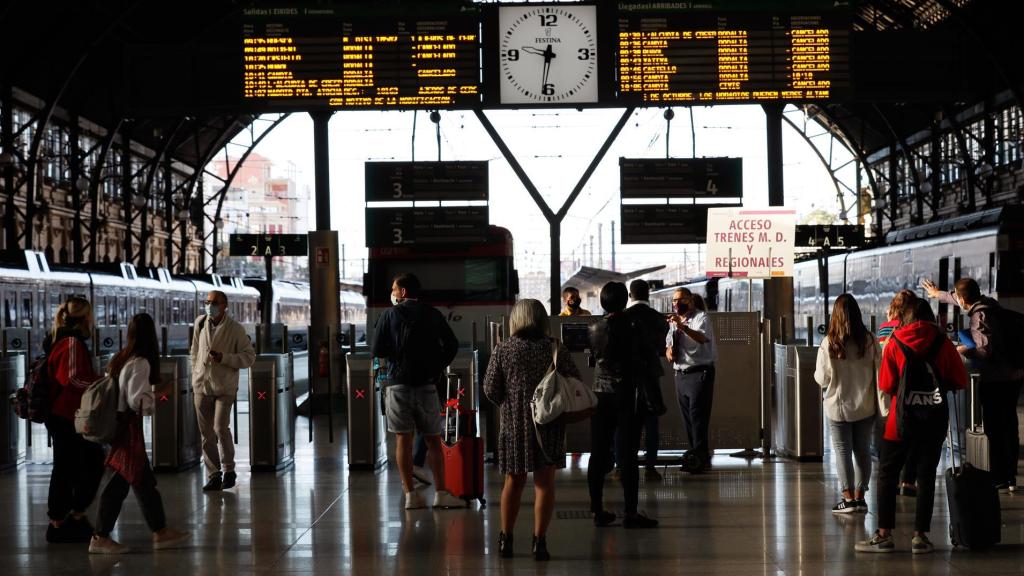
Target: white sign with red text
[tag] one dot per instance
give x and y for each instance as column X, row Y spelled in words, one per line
column 750, row 242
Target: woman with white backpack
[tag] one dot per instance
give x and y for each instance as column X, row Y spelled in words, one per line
column 516, row 368
column 137, row 369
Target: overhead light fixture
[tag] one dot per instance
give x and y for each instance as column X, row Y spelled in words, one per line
column 926, row 188
column 82, row 183
column 879, row 203
column 139, row 200
column 984, row 169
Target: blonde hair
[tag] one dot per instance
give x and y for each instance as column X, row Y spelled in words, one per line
column 76, row 313
column 529, row 319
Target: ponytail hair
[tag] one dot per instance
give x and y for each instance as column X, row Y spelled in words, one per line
column 75, row 314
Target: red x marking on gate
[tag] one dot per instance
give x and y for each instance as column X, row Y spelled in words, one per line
column 461, row 392
column 163, row 398
column 261, row 395
column 360, row 393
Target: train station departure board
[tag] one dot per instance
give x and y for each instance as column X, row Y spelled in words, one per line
column 308, row 58
column 710, row 56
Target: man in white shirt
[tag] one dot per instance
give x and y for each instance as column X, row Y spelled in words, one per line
column 691, row 350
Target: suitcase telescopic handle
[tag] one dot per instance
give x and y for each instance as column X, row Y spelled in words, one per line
column 953, row 424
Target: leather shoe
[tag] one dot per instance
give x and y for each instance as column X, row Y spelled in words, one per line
column 214, row 484
column 229, row 480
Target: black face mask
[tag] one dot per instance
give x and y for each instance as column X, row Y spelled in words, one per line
column 574, row 304
column 682, row 308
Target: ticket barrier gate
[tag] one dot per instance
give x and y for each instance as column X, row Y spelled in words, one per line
column 174, row 429
column 367, row 441
column 12, row 376
column 271, row 413
column 799, row 432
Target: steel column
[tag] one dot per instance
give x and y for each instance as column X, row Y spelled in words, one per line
column 773, row 129
column 7, row 145
column 322, row 169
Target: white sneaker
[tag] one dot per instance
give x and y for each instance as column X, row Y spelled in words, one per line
column 414, row 500
column 106, row 546
column 444, row 499
column 421, row 475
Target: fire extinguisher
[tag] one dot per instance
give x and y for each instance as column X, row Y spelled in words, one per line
column 324, row 360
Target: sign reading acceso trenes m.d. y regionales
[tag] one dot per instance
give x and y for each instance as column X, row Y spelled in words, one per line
column 750, row 243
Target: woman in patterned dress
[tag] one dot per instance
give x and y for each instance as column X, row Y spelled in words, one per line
column 516, row 368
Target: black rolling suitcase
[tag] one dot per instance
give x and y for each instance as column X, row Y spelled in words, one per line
column 974, row 516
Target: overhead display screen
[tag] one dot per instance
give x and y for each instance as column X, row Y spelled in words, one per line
column 710, row 56
column 308, row 58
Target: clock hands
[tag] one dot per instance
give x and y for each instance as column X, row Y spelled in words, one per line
column 548, row 55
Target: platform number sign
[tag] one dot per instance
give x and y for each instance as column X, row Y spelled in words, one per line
column 269, row 245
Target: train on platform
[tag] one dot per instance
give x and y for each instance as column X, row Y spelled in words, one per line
column 987, row 246
column 31, row 291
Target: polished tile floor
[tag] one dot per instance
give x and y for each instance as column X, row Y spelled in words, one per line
column 743, row 518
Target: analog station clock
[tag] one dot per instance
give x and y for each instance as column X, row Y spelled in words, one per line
column 548, row 54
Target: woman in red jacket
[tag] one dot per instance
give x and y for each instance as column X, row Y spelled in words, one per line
column 920, row 426
column 77, row 463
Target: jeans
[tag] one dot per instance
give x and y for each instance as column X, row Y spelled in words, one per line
column 926, row 443
column 615, row 412
column 852, row 444
column 117, row 490
column 695, row 392
column 77, row 469
column 999, row 414
column 214, row 416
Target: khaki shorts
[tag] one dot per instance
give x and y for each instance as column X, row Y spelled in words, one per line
column 412, row 409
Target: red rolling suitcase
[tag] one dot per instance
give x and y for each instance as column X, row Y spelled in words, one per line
column 974, row 511
column 463, row 449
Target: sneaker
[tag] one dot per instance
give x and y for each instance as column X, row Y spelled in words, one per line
column 444, row 499
column 845, row 507
column 921, row 545
column 861, row 505
column 169, row 539
column 1012, row 487
column 414, row 500
column 99, row 545
column 639, row 520
column 420, row 474
column 877, row 543
column 229, row 480
column 651, row 474
column 214, row 484
column 910, row 491
column 603, row 518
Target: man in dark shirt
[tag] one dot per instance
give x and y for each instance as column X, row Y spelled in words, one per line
column 415, row 342
column 653, row 326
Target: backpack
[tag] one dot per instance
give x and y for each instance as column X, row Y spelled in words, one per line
column 33, row 400
column 1009, row 327
column 419, row 350
column 96, row 417
column 920, row 397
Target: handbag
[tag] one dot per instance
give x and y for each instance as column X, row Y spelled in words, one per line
column 562, row 398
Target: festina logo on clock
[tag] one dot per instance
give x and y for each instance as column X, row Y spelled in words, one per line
column 548, row 54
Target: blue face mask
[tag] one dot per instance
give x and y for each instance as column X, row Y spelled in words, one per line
column 213, row 310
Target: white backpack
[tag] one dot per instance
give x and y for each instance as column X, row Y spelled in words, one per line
column 96, row 417
column 559, row 397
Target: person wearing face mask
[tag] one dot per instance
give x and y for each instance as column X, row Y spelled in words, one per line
column 220, row 348
column 571, row 299
column 691, row 350
column 1000, row 380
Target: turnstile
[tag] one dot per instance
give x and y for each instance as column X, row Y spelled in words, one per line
column 271, row 413
column 799, row 432
column 12, row 376
column 367, row 448
column 175, row 432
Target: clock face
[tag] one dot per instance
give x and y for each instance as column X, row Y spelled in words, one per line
column 548, row 54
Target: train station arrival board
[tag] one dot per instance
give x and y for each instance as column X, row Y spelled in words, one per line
column 702, row 52
column 310, row 58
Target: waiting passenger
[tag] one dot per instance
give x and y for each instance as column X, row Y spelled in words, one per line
column 919, row 424
column 220, row 348
column 571, row 301
column 848, row 361
column 137, row 370
column 653, row 327
column 417, row 343
column 698, row 303
column 618, row 411
column 908, row 482
column 1000, row 381
column 692, row 352
column 517, row 366
column 77, row 463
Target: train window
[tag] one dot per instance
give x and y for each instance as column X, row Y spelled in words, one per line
column 26, row 311
column 10, row 312
column 100, row 311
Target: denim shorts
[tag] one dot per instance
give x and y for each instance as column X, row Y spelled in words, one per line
column 413, row 409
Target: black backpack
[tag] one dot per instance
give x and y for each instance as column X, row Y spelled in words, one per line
column 419, row 350
column 921, row 397
column 33, row 400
